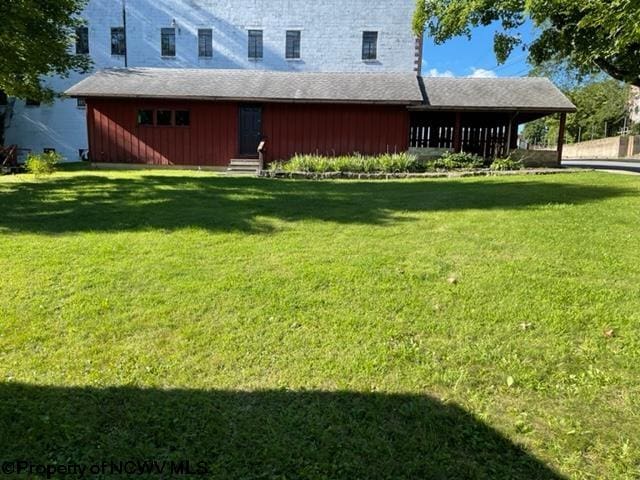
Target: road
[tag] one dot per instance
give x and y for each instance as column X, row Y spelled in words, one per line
column 616, row 165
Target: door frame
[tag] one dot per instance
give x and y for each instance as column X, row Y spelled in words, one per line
column 239, row 141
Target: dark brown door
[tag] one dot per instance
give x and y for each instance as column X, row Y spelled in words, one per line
column 250, row 129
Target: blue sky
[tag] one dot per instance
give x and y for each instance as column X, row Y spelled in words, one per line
column 461, row 57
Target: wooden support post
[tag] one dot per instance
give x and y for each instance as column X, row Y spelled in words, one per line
column 512, row 134
column 457, row 133
column 563, row 123
column 507, row 146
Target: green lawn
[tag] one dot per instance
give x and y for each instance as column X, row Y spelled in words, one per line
column 444, row 329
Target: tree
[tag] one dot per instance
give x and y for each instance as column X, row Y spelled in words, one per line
column 589, row 35
column 602, row 110
column 35, row 41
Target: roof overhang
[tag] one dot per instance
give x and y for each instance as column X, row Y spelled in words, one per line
column 406, row 103
column 252, row 86
column 488, row 108
column 524, row 96
column 533, row 95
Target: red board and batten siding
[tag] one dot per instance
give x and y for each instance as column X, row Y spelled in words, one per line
column 212, row 137
column 333, row 129
column 114, row 136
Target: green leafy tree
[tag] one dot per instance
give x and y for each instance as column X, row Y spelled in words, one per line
column 602, row 110
column 537, row 132
column 36, row 40
column 588, row 35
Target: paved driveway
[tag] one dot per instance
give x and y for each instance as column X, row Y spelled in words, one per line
column 616, row 165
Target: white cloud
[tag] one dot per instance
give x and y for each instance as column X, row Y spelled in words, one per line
column 475, row 73
column 482, row 73
column 434, row 72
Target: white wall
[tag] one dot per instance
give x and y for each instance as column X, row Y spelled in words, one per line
column 331, row 40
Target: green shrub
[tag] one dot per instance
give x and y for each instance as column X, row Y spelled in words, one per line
column 386, row 163
column 398, row 163
column 42, row 164
column 456, row 161
column 275, row 166
column 500, row 164
column 344, row 163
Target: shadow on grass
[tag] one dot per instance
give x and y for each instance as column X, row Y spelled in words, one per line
column 99, row 203
column 266, row 434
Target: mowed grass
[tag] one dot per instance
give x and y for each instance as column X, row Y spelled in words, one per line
column 450, row 328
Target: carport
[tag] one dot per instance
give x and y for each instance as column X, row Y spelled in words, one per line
column 483, row 115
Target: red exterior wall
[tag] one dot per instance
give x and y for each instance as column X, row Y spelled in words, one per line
column 114, row 136
column 212, row 137
column 334, row 129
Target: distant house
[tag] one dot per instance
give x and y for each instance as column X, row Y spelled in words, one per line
column 212, row 117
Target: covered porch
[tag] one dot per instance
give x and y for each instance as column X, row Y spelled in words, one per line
column 483, row 116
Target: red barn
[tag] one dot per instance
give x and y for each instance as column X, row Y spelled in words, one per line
column 209, row 117
column 215, row 118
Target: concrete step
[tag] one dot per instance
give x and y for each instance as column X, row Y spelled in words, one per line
column 243, row 166
column 248, row 173
column 244, row 162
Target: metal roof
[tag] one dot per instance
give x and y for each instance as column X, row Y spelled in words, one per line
column 251, row 85
column 533, row 94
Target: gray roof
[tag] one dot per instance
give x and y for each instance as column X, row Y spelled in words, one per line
column 522, row 94
column 526, row 94
column 251, row 85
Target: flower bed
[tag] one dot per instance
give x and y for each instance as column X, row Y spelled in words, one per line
column 396, row 165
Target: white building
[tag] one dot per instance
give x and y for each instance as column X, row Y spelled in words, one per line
column 300, row 35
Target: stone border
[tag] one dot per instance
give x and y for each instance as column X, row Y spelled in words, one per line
column 485, row 172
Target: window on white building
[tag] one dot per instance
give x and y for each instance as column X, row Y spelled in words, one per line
column 255, row 44
column 293, row 45
column 82, row 40
column 168, row 42
column 118, row 41
column 369, row 45
column 205, row 43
